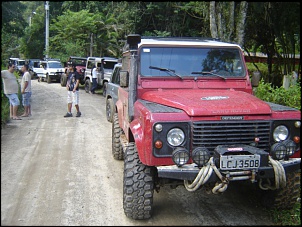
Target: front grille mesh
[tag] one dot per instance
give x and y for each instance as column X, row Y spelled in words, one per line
column 212, row 134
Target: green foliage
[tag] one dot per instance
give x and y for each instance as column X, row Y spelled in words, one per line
column 71, row 28
column 287, row 217
column 4, row 108
column 279, row 95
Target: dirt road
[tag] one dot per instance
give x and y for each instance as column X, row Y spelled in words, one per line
column 60, row 171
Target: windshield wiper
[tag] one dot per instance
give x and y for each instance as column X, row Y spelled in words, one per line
column 165, row 70
column 207, row 72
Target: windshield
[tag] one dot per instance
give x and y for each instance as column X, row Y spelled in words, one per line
column 21, row 62
column 191, row 61
column 55, row 65
column 79, row 62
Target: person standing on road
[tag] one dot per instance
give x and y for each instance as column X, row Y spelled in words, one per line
column 72, row 87
column 94, row 80
column 11, row 89
column 26, row 90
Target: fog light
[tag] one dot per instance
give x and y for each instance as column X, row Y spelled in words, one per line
column 278, row 151
column 290, row 147
column 200, row 156
column 180, row 156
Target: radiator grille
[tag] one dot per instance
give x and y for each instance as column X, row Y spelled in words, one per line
column 212, row 134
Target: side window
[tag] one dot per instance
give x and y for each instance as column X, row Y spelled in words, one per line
column 116, row 76
column 90, row 64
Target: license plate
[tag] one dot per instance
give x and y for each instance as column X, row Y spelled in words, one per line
column 229, row 162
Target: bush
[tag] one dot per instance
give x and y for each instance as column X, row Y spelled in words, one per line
column 290, row 97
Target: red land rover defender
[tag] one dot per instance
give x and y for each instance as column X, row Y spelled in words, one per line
column 186, row 115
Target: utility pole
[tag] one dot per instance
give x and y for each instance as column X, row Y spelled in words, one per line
column 46, row 29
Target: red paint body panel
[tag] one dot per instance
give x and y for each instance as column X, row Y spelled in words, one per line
column 197, row 102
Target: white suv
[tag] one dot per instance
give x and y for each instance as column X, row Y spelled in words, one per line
column 18, row 63
column 105, row 65
column 52, row 70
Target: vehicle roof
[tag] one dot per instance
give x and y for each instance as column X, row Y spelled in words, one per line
column 16, row 59
column 98, row 59
column 34, row 59
column 118, row 65
column 184, row 41
column 74, row 57
column 50, row 61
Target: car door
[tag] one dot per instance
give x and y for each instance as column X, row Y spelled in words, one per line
column 112, row 88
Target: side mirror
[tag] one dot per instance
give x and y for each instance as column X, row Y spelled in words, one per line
column 124, row 78
column 255, row 78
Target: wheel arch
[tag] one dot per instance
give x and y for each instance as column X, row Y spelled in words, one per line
column 136, row 134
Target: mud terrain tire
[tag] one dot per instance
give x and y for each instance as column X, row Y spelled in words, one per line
column 88, row 85
column 117, row 149
column 138, row 186
column 63, row 80
column 48, row 79
column 283, row 198
column 109, row 110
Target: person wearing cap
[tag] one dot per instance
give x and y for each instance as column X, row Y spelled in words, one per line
column 72, row 87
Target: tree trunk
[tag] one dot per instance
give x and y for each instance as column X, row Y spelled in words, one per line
column 241, row 23
column 229, row 34
column 213, row 27
column 91, row 44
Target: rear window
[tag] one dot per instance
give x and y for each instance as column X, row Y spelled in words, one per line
column 109, row 64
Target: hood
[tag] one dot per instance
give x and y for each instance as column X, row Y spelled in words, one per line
column 209, row 102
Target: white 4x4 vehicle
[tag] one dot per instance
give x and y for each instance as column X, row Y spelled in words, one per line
column 52, row 70
column 105, row 66
column 18, row 63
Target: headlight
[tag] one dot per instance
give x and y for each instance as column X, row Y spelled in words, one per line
column 175, row 137
column 280, row 133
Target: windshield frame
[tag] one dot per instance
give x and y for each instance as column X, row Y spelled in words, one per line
column 184, row 61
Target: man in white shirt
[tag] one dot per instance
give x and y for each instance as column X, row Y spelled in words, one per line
column 26, row 91
column 94, row 80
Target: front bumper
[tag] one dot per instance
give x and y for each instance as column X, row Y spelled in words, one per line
column 55, row 76
column 190, row 171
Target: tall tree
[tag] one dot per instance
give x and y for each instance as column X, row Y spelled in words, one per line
column 12, row 28
column 274, row 29
column 227, row 20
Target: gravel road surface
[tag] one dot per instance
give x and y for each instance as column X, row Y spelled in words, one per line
column 58, row 171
